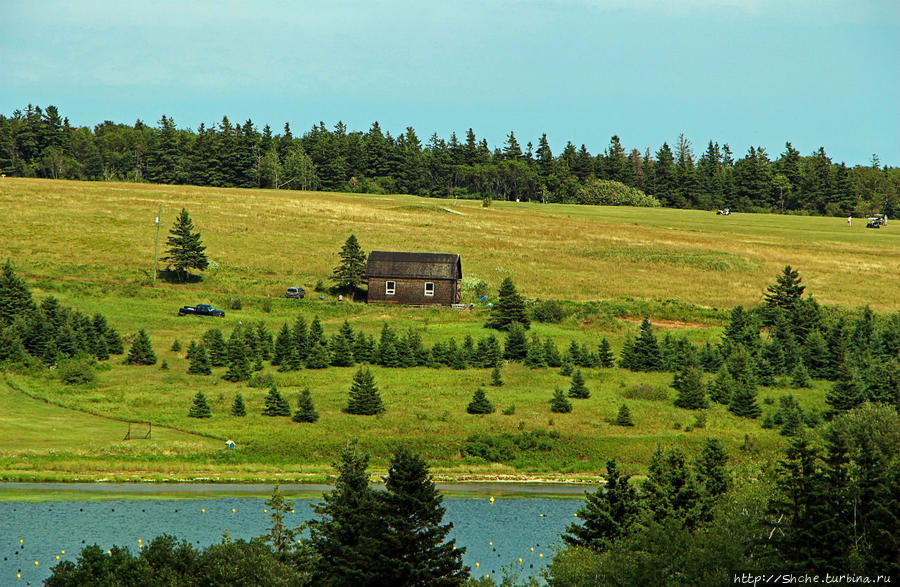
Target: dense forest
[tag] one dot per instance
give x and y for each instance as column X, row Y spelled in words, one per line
column 40, row 142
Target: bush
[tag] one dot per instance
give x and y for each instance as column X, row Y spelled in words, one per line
column 612, row 193
column 647, row 392
column 261, row 380
column 510, row 410
column 549, row 311
column 267, row 305
column 234, row 303
column 77, row 371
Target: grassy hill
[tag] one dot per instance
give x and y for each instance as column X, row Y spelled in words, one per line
column 91, row 245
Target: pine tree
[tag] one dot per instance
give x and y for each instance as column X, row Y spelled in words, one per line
column 786, row 291
column 722, row 387
column 217, row 347
column 15, row 297
column 743, row 401
column 607, row 514
column 690, row 388
column 364, row 399
column 302, row 341
column 510, row 308
column 284, row 347
column 605, row 354
column 645, row 353
column 711, row 468
column 351, row 272
column 264, row 341
column 346, row 534
column 479, row 403
column 305, row 410
column 559, row 404
column 114, row 342
column 319, row 357
column 578, row 389
column 623, row 418
column 279, row 536
column 199, row 362
column 534, row 354
column 275, row 403
column 185, row 249
column 496, row 378
column 414, row 549
column 199, row 409
column 341, row 351
column 386, row 353
column 237, row 408
column 551, row 354
column 141, row 352
column 516, row 347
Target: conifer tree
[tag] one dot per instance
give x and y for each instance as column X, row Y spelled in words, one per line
column 237, row 407
column 845, row 394
column 551, row 354
column 319, row 357
column 534, row 355
column 264, row 340
column 566, row 369
column 141, row 352
column 363, row 348
column 646, row 355
column 185, row 249
column 341, row 351
column 479, row 403
column 559, row 404
column 176, row 346
column 199, row 361
column 284, row 345
column 238, row 359
column 496, row 378
column 510, row 308
column 351, row 272
column 364, row 399
column 15, row 297
column 743, row 401
column 815, row 354
column 800, row 377
column 305, row 410
column 627, row 357
column 275, row 404
column 623, row 418
column 712, row 473
column 11, row 348
column 279, row 535
column 516, row 343
column 573, row 354
column 578, row 389
column 786, row 291
column 671, row 489
column 346, row 531
column 199, row 409
column 605, row 354
column 721, row 388
column 316, row 333
column 302, row 341
column 690, row 388
column 414, row 549
column 217, row 347
column 386, row 353
column 607, row 514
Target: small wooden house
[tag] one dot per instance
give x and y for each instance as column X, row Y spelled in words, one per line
column 414, row 278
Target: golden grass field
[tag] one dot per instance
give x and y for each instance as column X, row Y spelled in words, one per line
column 92, row 245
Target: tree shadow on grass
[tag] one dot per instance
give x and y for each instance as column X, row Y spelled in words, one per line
column 171, row 276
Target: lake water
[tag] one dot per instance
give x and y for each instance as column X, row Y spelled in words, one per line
column 523, row 528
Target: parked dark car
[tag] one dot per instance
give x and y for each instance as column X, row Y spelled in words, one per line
column 201, row 310
column 297, row 293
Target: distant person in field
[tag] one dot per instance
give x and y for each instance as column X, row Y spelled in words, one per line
column 849, row 220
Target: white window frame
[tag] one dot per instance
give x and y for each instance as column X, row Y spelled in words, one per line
column 431, row 293
column 390, row 288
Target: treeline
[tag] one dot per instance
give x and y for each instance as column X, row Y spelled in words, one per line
column 41, row 143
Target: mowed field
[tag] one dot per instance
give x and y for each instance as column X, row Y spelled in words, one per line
column 92, row 244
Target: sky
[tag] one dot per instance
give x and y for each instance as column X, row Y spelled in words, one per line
column 817, row 73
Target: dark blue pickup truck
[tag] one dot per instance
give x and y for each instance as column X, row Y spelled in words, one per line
column 201, row 310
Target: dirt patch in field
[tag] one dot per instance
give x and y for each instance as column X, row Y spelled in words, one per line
column 666, row 323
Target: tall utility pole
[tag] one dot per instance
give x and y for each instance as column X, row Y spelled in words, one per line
column 156, row 251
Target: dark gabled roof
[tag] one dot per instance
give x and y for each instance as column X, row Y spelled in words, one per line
column 414, row 265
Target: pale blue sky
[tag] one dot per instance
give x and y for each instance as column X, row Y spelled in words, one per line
column 743, row 72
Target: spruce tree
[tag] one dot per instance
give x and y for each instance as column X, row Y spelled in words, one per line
column 496, row 377
column 623, row 418
column 114, row 342
column 743, row 401
column 275, row 404
column 646, row 353
column 578, row 389
column 237, row 407
column 15, row 297
column 605, row 354
column 316, row 333
column 800, row 377
column 199, row 409
column 691, row 391
column 414, row 549
column 176, row 346
column 284, row 346
column 199, row 362
column 345, row 536
column 510, row 308
column 364, row 399
column 815, row 354
column 559, row 404
column 305, row 410
column 551, row 354
column 386, row 353
column 341, row 351
column 300, row 333
column 516, row 347
column 279, row 535
column 238, row 358
column 351, row 272
column 607, row 515
column 786, row 291
column 141, row 352
column 566, row 369
column 264, row 340
column 479, row 403
column 319, row 357
column 845, row 394
column 534, row 354
column 185, row 249
column 721, row 388
column 217, row 347
column 712, row 473
column 670, row 490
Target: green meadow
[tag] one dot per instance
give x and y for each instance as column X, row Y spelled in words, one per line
column 92, row 246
